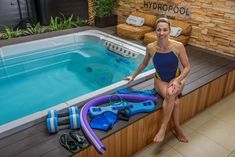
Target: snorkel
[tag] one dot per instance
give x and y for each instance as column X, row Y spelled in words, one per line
column 90, row 134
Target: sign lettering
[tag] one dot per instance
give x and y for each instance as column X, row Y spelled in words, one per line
column 168, row 9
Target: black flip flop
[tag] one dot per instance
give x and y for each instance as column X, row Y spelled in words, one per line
column 67, row 142
column 79, row 139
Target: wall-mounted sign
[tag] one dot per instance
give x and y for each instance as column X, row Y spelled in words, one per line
column 168, row 9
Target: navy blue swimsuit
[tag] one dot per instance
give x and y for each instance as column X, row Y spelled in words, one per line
column 166, row 65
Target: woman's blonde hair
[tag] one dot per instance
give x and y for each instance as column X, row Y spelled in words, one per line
column 164, row 20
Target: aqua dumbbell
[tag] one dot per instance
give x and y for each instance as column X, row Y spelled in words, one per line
column 54, row 124
column 57, row 121
column 71, row 110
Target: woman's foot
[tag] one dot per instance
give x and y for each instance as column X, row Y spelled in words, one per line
column 180, row 135
column 160, row 136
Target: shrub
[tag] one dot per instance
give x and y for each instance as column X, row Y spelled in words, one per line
column 105, row 7
column 80, row 22
column 10, row 33
column 35, row 29
column 68, row 22
column 55, row 24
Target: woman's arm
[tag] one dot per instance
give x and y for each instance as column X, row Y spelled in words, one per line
column 142, row 65
column 184, row 61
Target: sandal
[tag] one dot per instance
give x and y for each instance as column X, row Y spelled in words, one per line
column 67, row 142
column 80, row 140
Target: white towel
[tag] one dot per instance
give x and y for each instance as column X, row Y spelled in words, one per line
column 175, row 31
column 134, row 20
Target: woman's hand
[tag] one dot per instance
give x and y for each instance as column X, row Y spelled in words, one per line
column 175, row 82
column 129, row 78
column 175, row 85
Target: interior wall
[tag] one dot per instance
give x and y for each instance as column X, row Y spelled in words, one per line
column 10, row 12
column 213, row 21
column 57, row 8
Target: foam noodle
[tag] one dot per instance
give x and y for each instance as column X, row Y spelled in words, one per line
column 91, row 136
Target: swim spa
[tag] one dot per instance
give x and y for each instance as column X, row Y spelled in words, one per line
column 59, row 72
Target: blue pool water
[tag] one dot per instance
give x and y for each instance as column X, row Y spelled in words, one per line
column 37, row 80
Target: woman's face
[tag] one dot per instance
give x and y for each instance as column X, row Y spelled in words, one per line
column 162, row 30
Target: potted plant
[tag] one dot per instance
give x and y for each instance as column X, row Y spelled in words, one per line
column 105, row 13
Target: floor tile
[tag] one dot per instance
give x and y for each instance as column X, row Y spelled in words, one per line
column 198, row 120
column 188, row 132
column 220, row 132
column 201, row 146
column 231, row 154
column 172, row 153
column 154, row 149
column 228, row 115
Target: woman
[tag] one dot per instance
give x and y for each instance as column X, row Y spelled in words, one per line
column 168, row 80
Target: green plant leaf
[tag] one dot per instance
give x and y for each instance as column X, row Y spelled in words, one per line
column 10, row 33
column 80, row 22
column 36, row 29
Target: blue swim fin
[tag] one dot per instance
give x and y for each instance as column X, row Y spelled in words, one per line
column 151, row 92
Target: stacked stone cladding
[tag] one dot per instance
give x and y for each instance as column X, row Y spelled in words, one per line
column 213, row 21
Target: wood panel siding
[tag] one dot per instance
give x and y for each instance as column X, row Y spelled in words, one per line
column 230, row 85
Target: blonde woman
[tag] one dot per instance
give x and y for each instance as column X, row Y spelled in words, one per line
column 169, row 80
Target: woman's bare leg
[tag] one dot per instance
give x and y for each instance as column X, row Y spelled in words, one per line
column 168, row 106
column 170, row 109
column 176, row 118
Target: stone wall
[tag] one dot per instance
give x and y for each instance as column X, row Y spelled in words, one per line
column 213, row 21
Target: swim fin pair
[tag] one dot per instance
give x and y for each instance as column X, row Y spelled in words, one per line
column 104, row 121
column 151, row 92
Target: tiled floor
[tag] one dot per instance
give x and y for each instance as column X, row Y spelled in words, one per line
column 211, row 134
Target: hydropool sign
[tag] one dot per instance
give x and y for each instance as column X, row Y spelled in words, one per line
column 168, row 9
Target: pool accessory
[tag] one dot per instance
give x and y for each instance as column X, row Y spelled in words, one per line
column 57, row 121
column 121, row 50
column 151, row 92
column 53, row 113
column 100, row 122
column 124, row 114
column 134, row 107
column 117, row 101
column 55, row 124
column 92, row 137
column 104, row 121
column 67, row 142
column 79, row 138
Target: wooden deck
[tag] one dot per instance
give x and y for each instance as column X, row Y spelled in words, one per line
column 211, row 78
